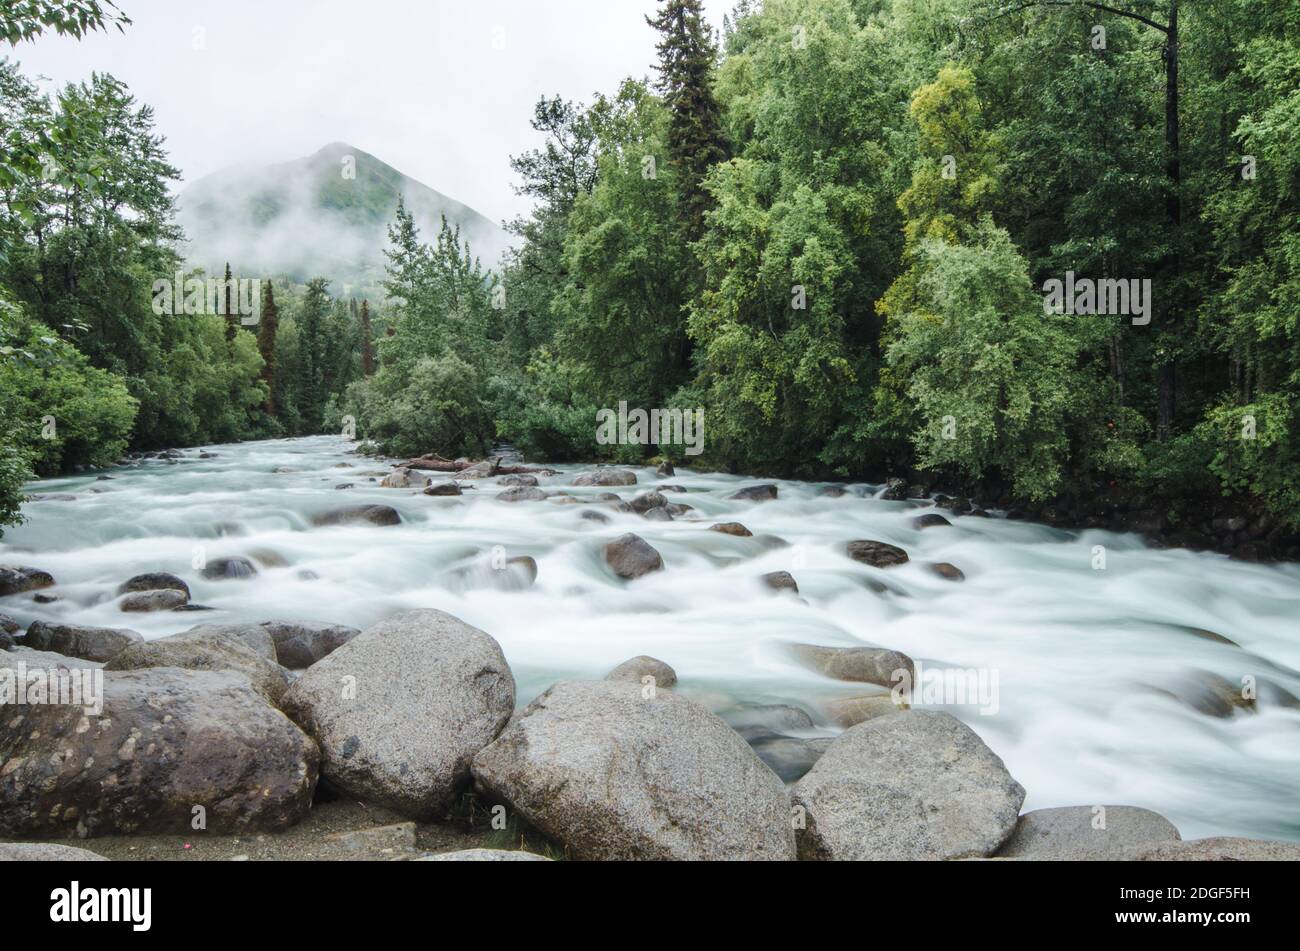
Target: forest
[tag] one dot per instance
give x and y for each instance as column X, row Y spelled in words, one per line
column 836, row 228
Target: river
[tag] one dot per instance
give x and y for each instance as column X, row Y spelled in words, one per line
column 1084, row 657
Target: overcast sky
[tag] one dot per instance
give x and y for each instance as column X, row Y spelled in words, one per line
column 440, row 89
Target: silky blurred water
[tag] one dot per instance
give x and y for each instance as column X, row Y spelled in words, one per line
column 1076, row 650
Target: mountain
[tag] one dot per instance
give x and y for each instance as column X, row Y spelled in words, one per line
column 307, row 218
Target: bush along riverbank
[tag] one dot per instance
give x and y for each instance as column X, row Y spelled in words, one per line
column 206, row 735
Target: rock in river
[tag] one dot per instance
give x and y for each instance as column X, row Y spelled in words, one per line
column 876, row 554
column 17, row 579
column 755, row 493
column 401, row 709
column 612, row 774
column 205, row 650
column 1090, row 833
column 913, row 785
column 869, row 665
column 164, row 599
column 638, row 668
column 89, row 643
column 631, row 556
column 154, row 581
column 606, row 477
column 168, row 741
column 356, row 514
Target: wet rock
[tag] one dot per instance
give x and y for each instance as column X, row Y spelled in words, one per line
column 671, row 488
column 947, row 571
column 522, row 494
column 356, row 514
column 256, row 637
column 876, row 554
column 930, row 520
column 606, row 477
column 443, row 489
column 657, row 515
column 780, row 581
column 206, row 650
column 732, row 528
column 229, row 569
column 611, row 774
column 869, row 665
column 299, row 644
column 593, row 516
column 400, row 710
column 479, row 470
column 1085, row 833
column 1207, row 693
column 168, row 741
column 518, row 480
column 677, row 510
column 631, row 556
column 345, row 485
column 167, row 599
column 18, row 579
column 915, row 785
column 752, row 719
column 895, row 491
column 787, row 756
column 268, row 558
column 8, row 625
column 402, row 478
column 665, row 470
column 154, row 581
column 850, row 711
column 483, row 855
column 42, row 598
column 755, row 493
column 46, row 852
column 638, row 668
column 99, row 644
column 513, row 574
column 1220, row 849
column 646, row 501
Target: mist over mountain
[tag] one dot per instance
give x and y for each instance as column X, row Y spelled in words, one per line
column 325, row 215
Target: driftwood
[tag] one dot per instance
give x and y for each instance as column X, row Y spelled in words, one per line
column 432, row 462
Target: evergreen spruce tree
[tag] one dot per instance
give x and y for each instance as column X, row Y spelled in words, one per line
column 231, row 307
column 695, row 141
column 367, row 341
column 266, row 332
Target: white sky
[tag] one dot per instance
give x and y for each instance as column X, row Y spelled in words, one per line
column 440, row 89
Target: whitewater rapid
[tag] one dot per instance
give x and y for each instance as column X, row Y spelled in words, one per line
column 1084, row 658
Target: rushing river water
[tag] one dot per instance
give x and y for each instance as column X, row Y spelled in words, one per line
column 1088, row 661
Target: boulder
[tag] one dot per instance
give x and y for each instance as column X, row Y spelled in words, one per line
column 46, row 852
column 755, row 493
column 164, row 599
column 930, row 520
column 99, row 644
column 850, row 711
column 1220, row 849
column 756, row 719
column 299, row 644
column 254, row 636
column 947, row 571
column 483, row 855
column 356, row 514
column 522, row 493
column 47, row 660
column 638, row 668
column 876, row 554
column 592, row 515
column 206, row 650
column 658, row 515
column 168, row 741
column 646, row 501
column 1076, row 832
column 780, row 581
column 915, row 785
column 401, row 709
column 606, row 477
column 443, row 489
column 631, row 556
column 229, row 569
column 868, row 665
column 665, row 470
column 403, row 478
column 612, row 774
column 518, row 480
column 895, row 490
column 154, row 581
column 8, row 625
column 788, row 756
column 17, row 579
column 732, row 528
column 514, row 574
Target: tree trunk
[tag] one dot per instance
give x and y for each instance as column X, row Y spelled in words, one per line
column 1173, row 210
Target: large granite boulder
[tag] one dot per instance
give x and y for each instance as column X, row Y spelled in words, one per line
column 914, row 785
column 99, row 644
column 401, row 709
column 613, row 772
column 169, row 748
column 206, row 650
column 1087, row 832
column 631, row 556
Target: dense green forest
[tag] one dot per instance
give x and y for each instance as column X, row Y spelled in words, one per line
column 831, row 227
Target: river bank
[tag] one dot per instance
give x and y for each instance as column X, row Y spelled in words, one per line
column 1110, row 681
